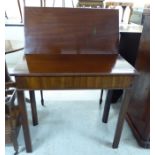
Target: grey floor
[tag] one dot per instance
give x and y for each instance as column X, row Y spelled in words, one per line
column 70, row 123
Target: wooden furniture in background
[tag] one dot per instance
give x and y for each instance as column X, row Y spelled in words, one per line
column 72, row 49
column 139, row 109
column 138, row 54
column 20, row 11
column 90, row 3
column 124, row 5
column 128, row 45
column 12, row 118
column 12, row 46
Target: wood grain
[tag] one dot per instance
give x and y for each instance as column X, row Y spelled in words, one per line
column 73, row 82
column 51, row 30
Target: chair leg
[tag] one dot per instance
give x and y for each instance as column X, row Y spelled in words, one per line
column 20, row 11
column 107, row 107
column 33, row 108
column 53, row 3
column 63, row 3
column 41, row 3
column 42, row 99
column 7, row 75
column 100, row 101
column 72, row 4
column 44, row 3
column 15, row 142
column 6, row 16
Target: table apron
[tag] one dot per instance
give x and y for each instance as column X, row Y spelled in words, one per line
column 74, row 82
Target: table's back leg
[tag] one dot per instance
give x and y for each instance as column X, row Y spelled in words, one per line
column 42, row 98
column 107, row 107
column 121, row 117
column 101, row 95
column 33, row 107
column 24, row 120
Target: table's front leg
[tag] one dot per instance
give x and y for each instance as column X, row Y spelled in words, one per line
column 121, row 117
column 24, row 120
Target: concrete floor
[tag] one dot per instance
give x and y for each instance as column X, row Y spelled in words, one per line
column 70, row 123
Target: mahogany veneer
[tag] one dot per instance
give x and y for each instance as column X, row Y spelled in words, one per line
column 70, row 48
column 67, row 36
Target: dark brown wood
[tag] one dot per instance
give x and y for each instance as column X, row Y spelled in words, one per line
column 101, row 95
column 7, row 76
column 122, row 114
column 77, row 33
column 71, row 63
column 67, row 29
column 116, row 67
column 72, row 49
column 12, row 119
column 24, row 120
column 139, row 109
column 119, row 76
column 33, row 108
column 107, row 107
column 128, row 48
column 42, row 99
column 74, row 82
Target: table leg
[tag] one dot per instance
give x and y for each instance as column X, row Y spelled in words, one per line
column 101, row 95
column 122, row 113
column 107, row 107
column 42, row 99
column 33, row 107
column 24, row 120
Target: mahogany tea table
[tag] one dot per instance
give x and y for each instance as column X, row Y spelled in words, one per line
column 72, row 48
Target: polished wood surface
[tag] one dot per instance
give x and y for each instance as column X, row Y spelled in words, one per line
column 72, row 49
column 71, row 63
column 128, row 47
column 73, row 82
column 139, row 120
column 59, row 30
column 119, row 67
column 120, row 75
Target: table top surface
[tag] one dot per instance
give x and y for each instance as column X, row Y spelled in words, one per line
column 117, row 66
